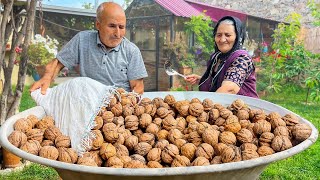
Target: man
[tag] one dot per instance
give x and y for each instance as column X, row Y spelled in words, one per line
column 104, row 55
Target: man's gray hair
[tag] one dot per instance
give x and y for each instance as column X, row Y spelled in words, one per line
column 99, row 11
column 227, row 21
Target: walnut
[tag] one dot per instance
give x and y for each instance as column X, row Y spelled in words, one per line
column 194, row 138
column 196, row 109
column 113, row 101
column 127, row 110
column 98, row 120
column 190, row 118
column 116, row 110
column 237, row 104
column 244, row 136
column 95, row 156
column 148, row 138
column 248, row 146
column 205, row 150
column 131, row 122
column 67, row 155
column 210, row 136
column 35, row 134
column 169, row 99
column 112, row 136
column 220, row 121
column 109, row 127
column 281, row 131
column 231, row 154
column 142, row 148
column 45, row 122
column 138, row 157
column 218, row 148
column 17, row 138
column 144, row 101
column 265, row 151
column 203, row 117
column 157, row 121
column 174, row 134
column 121, row 91
column 266, row 137
column 134, row 164
column 301, row 132
column 272, row 116
column 52, row 132
column 169, row 153
column 154, row 155
column 107, row 150
column 207, row 104
column 86, row 161
column 62, row 141
column 145, row 120
column 214, row 114
column 137, row 132
column 216, row 160
column 200, row 161
column 232, row 124
column 195, row 100
column 192, row 127
column 290, row 119
column 125, row 132
column 108, row 116
column 161, row 144
column 275, row 122
column 33, row 119
column 249, row 154
column 188, row 150
column 49, row 152
column 202, row 126
column 180, row 161
column 261, row 126
column 169, row 123
column 182, row 107
column 125, row 159
column 22, row 125
column 227, row 137
column 152, row 128
column 114, row 162
column 225, row 113
column 150, row 109
column 157, row 101
column 31, row 146
column 281, row 143
column 180, row 142
column 154, row 164
column 131, row 142
column 138, row 110
column 125, row 101
column 97, row 141
column 133, row 98
column 47, row 143
column 243, row 114
column 257, row 115
column 244, row 123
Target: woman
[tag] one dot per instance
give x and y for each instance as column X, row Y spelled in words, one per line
column 230, row 69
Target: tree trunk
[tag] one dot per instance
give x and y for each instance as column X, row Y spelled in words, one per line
column 10, row 99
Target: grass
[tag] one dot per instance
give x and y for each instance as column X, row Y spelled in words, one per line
column 305, row 165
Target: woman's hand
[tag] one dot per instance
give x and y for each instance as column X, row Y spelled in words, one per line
column 192, row 79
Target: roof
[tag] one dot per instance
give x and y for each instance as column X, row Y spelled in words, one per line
column 179, row 7
column 68, row 10
column 188, row 8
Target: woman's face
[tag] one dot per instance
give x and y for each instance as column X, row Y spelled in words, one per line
column 225, row 37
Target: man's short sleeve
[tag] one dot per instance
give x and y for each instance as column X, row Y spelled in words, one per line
column 136, row 68
column 69, row 54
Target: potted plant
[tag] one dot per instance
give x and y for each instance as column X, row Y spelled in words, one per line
column 40, row 52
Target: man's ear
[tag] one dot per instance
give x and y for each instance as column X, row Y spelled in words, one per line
column 97, row 24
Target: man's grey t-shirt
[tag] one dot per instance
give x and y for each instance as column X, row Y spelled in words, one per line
column 111, row 67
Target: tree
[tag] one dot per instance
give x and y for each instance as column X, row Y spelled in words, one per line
column 16, row 28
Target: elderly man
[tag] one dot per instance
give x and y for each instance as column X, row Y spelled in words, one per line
column 104, row 55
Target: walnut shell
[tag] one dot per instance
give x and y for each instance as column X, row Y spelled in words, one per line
column 180, row 161
column 273, row 116
column 17, row 138
column 154, row 155
column 49, row 152
column 225, row 113
column 210, row 136
column 33, row 119
column 131, row 142
column 169, row 123
column 257, row 115
column 134, row 164
column 98, row 120
column 45, row 122
column 180, row 142
column 202, row 126
column 86, row 161
column 189, row 150
column 301, row 132
column 281, row 131
column 148, row 138
column 161, row 144
column 227, row 137
column 67, row 155
column 114, row 162
column 194, row 138
column 169, row 99
column 152, row 128
column 290, row 119
column 22, row 125
column 138, row 157
column 62, row 141
column 158, row 101
column 142, row 148
column 248, row 146
column 145, row 120
column 203, row 117
column 205, row 150
column 281, row 143
column 169, row 153
column 265, row 150
column 47, row 143
column 249, row 154
column 157, row 121
column 214, row 114
column 116, row 110
column 244, row 136
column 232, row 124
column 109, row 127
column 154, row 164
column 231, row 154
column 31, row 146
column 275, row 122
column 95, row 156
column 174, row 134
column 150, row 109
column 261, row 126
column 145, row 101
column 243, row 114
column 125, row 159
column 237, row 104
column 107, row 150
column 138, row 110
column 200, row 161
column 52, row 132
column 196, row 109
column 35, row 134
column 131, row 122
column 207, row 104
column 216, row 160
column 195, row 100
column 127, row 110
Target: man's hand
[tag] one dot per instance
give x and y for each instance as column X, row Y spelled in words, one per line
column 137, row 85
column 43, row 83
column 193, row 79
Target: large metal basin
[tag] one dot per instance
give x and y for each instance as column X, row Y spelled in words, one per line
column 250, row 169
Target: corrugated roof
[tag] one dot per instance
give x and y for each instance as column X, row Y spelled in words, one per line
column 179, row 7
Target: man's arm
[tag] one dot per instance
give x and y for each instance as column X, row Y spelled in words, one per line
column 52, row 70
column 228, row 87
column 137, row 85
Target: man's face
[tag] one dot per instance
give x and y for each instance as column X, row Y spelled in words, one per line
column 112, row 28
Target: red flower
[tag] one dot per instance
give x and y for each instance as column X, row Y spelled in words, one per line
column 18, row 49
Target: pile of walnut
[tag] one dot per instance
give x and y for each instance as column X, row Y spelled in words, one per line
column 164, row 132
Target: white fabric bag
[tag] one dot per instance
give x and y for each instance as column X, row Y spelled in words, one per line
column 74, row 105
